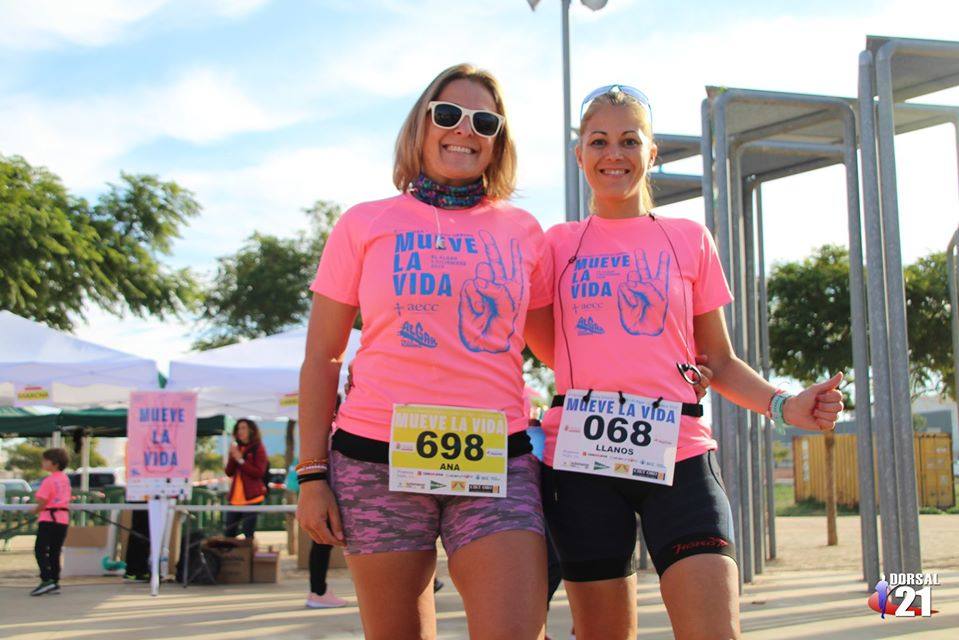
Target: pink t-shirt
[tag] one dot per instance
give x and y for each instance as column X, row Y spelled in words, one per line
column 627, row 321
column 55, row 489
column 440, row 326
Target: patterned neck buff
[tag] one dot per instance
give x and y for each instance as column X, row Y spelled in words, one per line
column 446, row 196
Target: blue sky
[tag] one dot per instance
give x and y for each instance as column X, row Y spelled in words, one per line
column 261, row 107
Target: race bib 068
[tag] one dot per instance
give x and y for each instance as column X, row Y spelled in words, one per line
column 605, row 435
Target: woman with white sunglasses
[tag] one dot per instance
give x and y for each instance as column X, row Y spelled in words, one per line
column 634, row 296
column 430, row 441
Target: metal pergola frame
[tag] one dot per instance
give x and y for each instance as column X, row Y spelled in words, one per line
column 730, row 211
column 892, row 69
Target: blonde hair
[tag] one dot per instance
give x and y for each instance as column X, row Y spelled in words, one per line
column 615, row 98
column 499, row 178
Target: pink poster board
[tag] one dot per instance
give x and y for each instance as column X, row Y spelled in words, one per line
column 161, row 439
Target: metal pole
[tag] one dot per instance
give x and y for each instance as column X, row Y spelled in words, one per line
column 896, row 310
column 729, row 446
column 752, row 357
column 878, row 342
column 706, row 152
column 85, row 461
column 572, row 177
column 952, row 273
column 739, row 345
column 860, row 358
column 766, row 370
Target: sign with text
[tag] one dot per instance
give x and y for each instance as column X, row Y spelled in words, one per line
column 448, row 451
column 26, row 395
column 161, row 439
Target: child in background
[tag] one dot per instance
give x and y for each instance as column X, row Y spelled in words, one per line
column 52, row 498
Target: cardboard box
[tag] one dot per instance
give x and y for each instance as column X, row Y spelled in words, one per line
column 87, row 536
column 236, row 559
column 266, row 566
column 303, row 545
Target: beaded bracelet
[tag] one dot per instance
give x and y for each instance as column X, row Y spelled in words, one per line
column 311, row 462
column 311, row 477
column 312, row 468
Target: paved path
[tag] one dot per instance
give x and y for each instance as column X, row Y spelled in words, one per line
column 785, row 602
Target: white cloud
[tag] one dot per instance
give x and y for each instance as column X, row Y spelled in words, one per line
column 269, row 196
column 36, row 25
column 46, row 24
column 81, row 139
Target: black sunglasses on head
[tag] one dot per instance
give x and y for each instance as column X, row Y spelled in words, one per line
column 447, row 115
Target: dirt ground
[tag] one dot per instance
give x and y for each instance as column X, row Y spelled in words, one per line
column 809, row 591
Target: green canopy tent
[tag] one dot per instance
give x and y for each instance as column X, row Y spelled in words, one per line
column 108, row 423
column 27, row 423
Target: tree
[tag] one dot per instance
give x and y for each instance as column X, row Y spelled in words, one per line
column 207, row 458
column 809, row 316
column 24, row 458
column 928, row 310
column 60, row 252
column 264, row 287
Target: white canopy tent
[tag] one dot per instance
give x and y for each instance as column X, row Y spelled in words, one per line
column 79, row 374
column 250, row 378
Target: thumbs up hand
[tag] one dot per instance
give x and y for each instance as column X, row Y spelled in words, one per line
column 818, row 407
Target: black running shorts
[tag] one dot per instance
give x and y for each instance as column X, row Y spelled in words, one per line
column 593, row 519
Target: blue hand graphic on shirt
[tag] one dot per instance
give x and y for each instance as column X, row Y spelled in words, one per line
column 489, row 303
column 643, row 299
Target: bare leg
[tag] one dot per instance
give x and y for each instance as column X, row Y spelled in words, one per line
column 604, row 609
column 502, row 579
column 395, row 594
column 701, row 593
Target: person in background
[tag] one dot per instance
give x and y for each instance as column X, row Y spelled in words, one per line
column 53, row 498
column 137, row 556
column 247, row 466
column 321, row 596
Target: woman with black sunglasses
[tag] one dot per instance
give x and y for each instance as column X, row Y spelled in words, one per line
column 634, row 296
column 430, row 441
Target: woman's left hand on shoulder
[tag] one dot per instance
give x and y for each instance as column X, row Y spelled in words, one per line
column 818, row 407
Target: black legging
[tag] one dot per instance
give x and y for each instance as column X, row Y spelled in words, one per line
column 49, row 543
column 319, row 565
column 137, row 555
column 237, row 521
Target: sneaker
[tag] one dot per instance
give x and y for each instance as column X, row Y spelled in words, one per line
column 47, row 586
column 325, row 601
column 132, row 578
column 438, row 584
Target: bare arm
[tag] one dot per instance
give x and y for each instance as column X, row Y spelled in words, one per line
column 539, row 333
column 41, row 504
column 326, row 339
column 816, row 408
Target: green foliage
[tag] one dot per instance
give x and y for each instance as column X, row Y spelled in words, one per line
column 263, row 288
column 928, row 319
column 781, row 452
column 809, row 316
column 60, row 252
column 810, row 328
column 206, row 456
column 277, row 461
column 24, row 458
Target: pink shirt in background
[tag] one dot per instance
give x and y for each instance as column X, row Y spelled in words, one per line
column 440, row 326
column 55, row 489
column 626, row 320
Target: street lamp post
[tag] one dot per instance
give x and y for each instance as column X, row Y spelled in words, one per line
column 571, row 171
